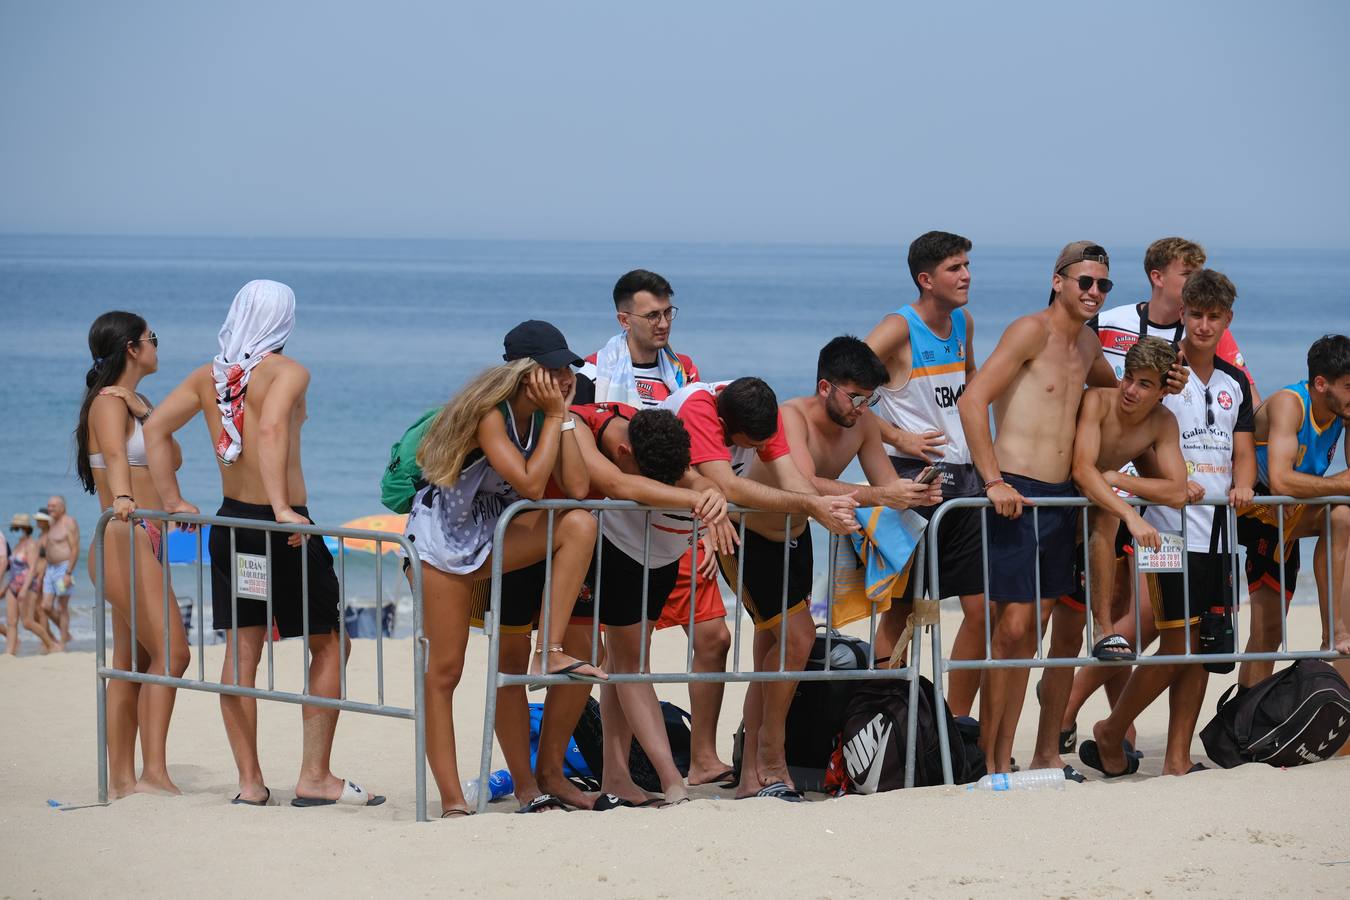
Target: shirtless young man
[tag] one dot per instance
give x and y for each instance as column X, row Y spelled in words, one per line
column 928, row 349
column 638, row 367
column 63, row 553
column 253, row 400
column 1297, row 430
column 831, row 428
column 1214, row 419
column 737, row 442
column 1034, row 382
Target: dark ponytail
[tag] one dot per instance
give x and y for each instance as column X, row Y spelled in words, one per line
column 109, row 338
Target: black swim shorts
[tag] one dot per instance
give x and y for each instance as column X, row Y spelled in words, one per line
column 763, row 594
column 620, row 595
column 1041, row 533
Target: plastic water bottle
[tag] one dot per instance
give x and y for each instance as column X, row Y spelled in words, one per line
column 1029, row 780
column 499, row 785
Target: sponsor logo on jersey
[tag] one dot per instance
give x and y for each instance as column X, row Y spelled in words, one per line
column 1225, row 400
column 1114, row 341
column 929, row 356
column 946, row 397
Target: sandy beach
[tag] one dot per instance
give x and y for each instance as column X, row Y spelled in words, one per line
column 1252, row 831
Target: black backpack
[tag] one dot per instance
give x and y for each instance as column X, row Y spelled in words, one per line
column 816, row 713
column 589, row 737
column 1297, row 716
column 876, row 730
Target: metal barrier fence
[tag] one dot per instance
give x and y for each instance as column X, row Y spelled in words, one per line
column 104, row 672
column 942, row 665
column 497, row 679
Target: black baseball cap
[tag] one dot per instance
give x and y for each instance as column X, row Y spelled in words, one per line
column 541, row 342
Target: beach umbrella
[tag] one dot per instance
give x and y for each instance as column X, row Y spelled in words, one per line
column 390, row 522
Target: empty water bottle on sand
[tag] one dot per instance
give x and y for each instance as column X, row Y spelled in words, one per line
column 1030, row 780
column 499, row 785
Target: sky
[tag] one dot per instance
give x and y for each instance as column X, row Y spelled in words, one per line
column 697, row 121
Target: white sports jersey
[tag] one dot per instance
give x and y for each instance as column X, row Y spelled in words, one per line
column 1207, row 448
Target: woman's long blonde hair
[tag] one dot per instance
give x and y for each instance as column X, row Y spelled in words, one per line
column 454, row 431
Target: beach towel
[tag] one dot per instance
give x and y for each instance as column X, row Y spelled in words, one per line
column 260, row 320
column 614, row 379
column 873, row 565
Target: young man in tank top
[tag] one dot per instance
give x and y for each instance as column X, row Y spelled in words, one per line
column 638, row 367
column 1297, row 430
column 1213, row 416
column 252, row 399
column 928, row 351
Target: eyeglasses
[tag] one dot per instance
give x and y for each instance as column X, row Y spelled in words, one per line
column 153, row 339
column 858, row 401
column 654, row 318
column 1085, row 283
column 1209, row 413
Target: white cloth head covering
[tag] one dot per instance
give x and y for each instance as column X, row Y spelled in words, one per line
column 260, row 320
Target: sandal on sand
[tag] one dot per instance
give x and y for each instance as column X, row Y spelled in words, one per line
column 570, row 671
column 265, row 801
column 1068, row 740
column 726, row 781
column 606, row 802
column 1072, row 774
column 1088, row 753
column 1113, row 648
column 456, row 812
column 1130, row 751
column 352, row 795
column 780, row 791
column 543, row 802
column 1198, row 767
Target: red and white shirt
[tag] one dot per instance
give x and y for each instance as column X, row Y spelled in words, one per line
column 696, row 406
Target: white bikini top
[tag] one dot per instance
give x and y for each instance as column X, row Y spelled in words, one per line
column 135, row 449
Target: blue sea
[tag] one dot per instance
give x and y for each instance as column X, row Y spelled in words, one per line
column 389, row 328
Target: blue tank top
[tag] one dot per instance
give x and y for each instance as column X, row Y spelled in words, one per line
column 1316, row 446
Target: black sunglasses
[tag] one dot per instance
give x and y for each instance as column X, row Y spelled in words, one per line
column 1085, row 283
column 1209, row 413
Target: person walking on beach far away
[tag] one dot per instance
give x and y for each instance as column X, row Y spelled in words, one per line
column 252, row 397
column 63, row 554
column 638, row 367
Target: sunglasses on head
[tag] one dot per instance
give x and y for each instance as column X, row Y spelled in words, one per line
column 1085, row 282
column 857, row 400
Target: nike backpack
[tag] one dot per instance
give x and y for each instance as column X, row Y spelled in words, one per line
column 1297, row 716
column 876, row 732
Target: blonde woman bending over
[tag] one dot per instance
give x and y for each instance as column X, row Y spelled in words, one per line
column 499, row 440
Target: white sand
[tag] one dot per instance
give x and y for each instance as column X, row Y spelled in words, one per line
column 1252, row 831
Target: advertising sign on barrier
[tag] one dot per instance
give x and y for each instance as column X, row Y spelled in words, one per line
column 1167, row 558
column 251, row 570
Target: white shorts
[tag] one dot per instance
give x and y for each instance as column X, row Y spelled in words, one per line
column 54, row 581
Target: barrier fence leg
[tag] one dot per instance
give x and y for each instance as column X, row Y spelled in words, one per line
column 100, row 657
column 912, row 715
column 494, row 635
column 419, row 695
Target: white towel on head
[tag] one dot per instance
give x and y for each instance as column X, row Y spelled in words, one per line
column 260, row 320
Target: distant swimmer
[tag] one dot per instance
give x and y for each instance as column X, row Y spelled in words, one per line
column 1297, row 430
column 112, row 462
column 252, row 397
column 1034, row 383
column 928, row 349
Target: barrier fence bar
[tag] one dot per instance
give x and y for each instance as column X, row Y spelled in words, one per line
column 105, row 673
column 942, row 665
column 496, row 679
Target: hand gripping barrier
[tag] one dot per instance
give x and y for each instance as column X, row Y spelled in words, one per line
column 497, row 679
column 104, row 672
column 942, row 665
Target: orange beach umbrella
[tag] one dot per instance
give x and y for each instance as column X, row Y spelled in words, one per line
column 390, row 522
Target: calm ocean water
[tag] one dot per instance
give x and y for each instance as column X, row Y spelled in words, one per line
column 391, row 328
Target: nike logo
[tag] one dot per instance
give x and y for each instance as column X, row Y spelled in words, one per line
column 866, row 751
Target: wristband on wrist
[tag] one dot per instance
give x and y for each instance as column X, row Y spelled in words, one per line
column 992, row 483
column 125, row 497
column 569, row 424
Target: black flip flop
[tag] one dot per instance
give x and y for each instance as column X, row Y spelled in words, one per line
column 265, row 801
column 1130, row 751
column 543, row 802
column 1113, row 648
column 606, row 802
column 572, row 675
column 780, row 791
column 456, row 812
column 1068, row 740
column 1088, row 753
column 1072, row 774
column 1198, row 767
